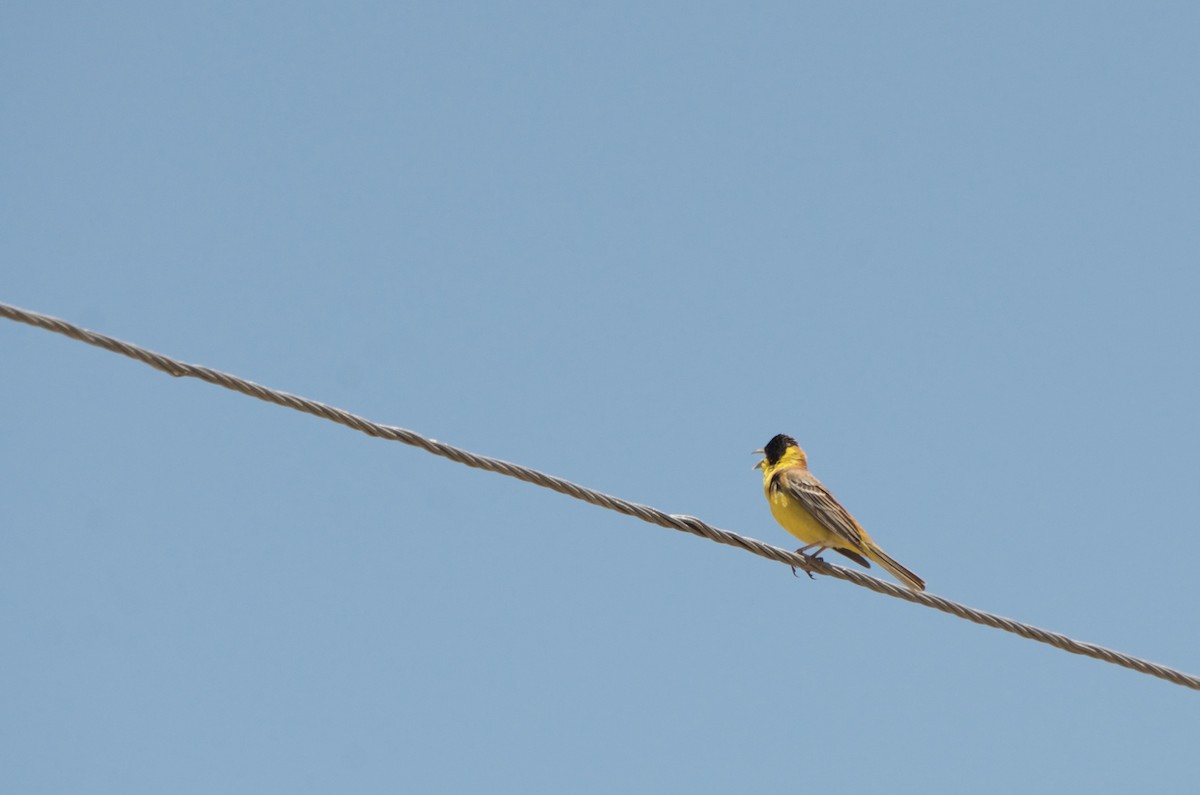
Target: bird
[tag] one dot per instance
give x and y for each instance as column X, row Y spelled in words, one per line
column 806, row 509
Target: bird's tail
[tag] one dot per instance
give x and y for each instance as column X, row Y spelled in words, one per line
column 910, row 580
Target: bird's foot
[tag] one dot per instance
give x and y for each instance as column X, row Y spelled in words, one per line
column 814, row 556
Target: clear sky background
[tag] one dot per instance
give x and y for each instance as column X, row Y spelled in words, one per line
column 952, row 248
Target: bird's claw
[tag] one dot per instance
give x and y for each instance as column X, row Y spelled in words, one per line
column 801, row 552
column 806, row 571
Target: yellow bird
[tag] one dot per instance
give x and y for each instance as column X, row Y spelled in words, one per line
column 808, row 511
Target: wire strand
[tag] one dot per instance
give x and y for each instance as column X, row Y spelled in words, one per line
column 687, row 524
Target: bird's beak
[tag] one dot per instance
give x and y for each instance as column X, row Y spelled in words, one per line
column 759, row 465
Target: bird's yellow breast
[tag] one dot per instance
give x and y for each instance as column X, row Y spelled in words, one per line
column 796, row 519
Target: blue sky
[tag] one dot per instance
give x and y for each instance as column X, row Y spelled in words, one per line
column 952, row 248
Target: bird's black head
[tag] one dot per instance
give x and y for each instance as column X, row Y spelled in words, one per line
column 778, row 445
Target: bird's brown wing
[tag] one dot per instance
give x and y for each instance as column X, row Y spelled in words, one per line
column 808, row 491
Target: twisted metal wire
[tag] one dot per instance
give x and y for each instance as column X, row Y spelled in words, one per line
column 687, row 524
